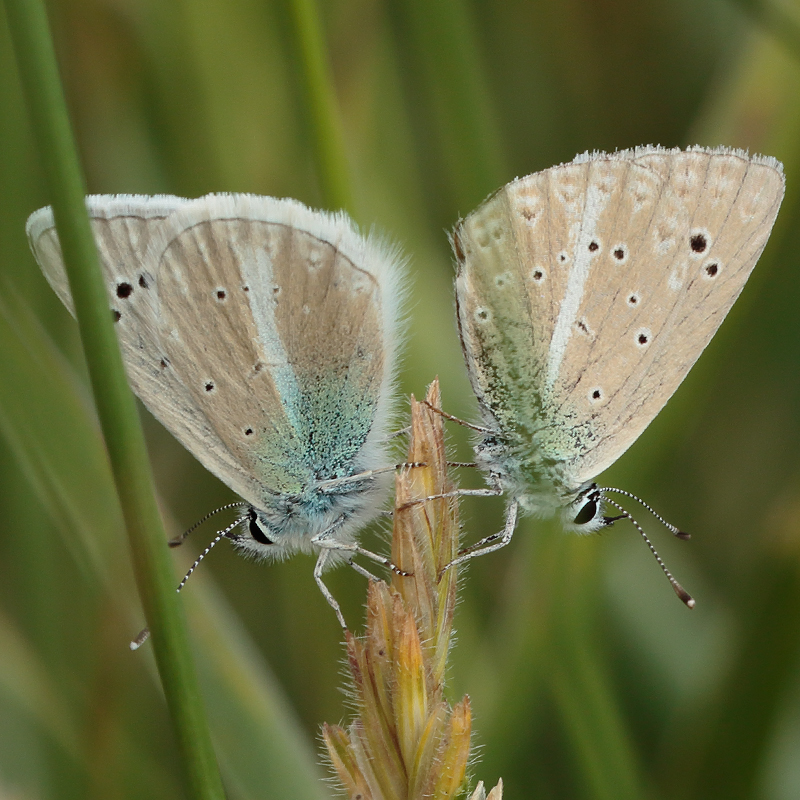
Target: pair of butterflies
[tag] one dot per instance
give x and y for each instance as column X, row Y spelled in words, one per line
column 264, row 335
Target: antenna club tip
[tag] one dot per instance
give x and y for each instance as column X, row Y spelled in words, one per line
column 683, row 535
column 685, row 597
column 176, row 542
column 140, row 639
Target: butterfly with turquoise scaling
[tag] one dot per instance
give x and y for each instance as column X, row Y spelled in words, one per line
column 585, row 293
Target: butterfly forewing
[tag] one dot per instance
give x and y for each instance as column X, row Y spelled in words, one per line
column 131, row 233
column 647, row 327
column 123, row 227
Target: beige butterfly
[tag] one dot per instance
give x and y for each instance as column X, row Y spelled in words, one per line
column 263, row 335
column 585, row 293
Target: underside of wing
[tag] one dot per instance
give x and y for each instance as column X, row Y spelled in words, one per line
column 123, row 227
column 602, row 281
column 127, row 229
column 260, row 333
column 283, row 323
column 505, row 353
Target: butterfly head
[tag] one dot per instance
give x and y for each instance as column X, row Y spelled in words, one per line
column 289, row 524
column 272, row 535
column 254, row 535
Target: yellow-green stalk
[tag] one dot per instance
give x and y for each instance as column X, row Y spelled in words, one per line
column 407, row 742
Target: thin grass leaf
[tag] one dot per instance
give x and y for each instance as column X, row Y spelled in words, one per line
column 320, row 105
column 116, row 407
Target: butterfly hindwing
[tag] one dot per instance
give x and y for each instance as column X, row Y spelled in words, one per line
column 587, row 291
column 293, row 381
column 251, row 328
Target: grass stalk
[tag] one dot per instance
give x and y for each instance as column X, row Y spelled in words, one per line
column 321, row 106
column 116, row 408
column 407, row 741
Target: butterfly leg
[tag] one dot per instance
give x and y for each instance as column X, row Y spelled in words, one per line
column 464, row 423
column 365, row 573
column 494, row 491
column 493, row 542
column 326, row 593
column 339, row 485
column 327, row 542
column 401, row 432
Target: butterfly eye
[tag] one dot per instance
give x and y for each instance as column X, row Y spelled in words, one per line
column 257, row 532
column 587, row 512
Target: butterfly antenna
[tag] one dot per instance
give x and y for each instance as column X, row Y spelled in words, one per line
column 144, row 635
column 478, row 428
column 220, row 535
column 668, row 525
column 179, row 540
column 687, row 599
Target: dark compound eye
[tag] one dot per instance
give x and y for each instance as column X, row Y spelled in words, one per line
column 587, row 513
column 257, row 532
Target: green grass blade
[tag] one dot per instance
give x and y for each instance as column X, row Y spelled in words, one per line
column 115, row 404
column 448, row 97
column 321, row 107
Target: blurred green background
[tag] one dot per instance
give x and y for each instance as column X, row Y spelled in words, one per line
column 588, row 678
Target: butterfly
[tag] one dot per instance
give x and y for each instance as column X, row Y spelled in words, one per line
column 584, row 295
column 264, row 336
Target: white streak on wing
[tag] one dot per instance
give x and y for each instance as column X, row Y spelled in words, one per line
column 258, row 273
column 578, row 275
